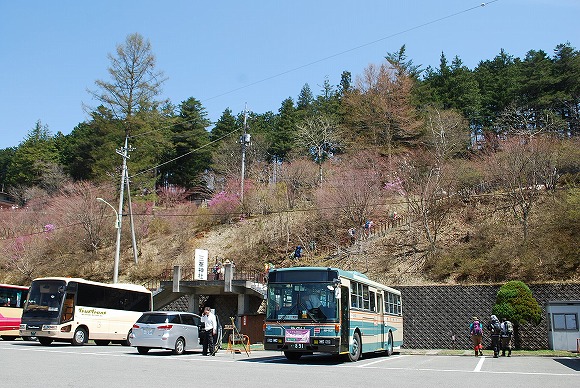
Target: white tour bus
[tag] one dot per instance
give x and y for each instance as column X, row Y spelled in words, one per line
column 77, row 310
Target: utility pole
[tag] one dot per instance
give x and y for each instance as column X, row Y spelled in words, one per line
column 124, row 153
column 245, row 139
column 133, row 239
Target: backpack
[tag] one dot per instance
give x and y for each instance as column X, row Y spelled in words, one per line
column 476, row 328
column 509, row 328
column 496, row 327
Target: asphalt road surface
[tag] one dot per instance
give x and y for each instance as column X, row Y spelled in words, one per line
column 29, row 364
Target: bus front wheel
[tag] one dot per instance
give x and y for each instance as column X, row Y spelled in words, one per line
column 80, row 337
column 356, row 348
column 293, row 356
column 8, row 337
column 45, row 341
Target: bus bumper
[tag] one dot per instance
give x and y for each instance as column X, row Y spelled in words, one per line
column 45, row 331
column 321, row 345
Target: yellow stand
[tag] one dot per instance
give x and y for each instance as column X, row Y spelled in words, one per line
column 237, row 340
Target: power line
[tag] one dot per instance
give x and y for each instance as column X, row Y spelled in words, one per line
column 329, row 57
column 351, row 49
column 184, row 155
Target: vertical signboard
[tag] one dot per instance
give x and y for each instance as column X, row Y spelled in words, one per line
column 201, row 262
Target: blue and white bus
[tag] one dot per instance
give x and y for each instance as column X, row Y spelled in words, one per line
column 328, row 310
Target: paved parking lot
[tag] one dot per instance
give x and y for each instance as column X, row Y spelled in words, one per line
column 62, row 365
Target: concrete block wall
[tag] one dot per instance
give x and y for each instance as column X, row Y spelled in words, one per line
column 438, row 317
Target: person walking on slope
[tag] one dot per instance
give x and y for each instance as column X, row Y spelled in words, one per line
column 476, row 332
column 494, row 328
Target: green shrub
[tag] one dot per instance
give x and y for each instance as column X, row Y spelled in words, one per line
column 515, row 302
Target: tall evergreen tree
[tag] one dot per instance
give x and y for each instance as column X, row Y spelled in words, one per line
column 305, row 98
column 6, row 156
column 89, row 150
column 452, row 87
column 225, row 125
column 398, row 60
column 498, row 84
column 328, row 101
column 190, row 153
column 281, row 138
column 536, row 82
column 567, row 76
column 32, row 157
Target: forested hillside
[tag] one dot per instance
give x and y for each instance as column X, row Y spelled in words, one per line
column 469, row 175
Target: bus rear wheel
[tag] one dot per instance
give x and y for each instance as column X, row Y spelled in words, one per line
column 80, row 337
column 356, row 348
column 390, row 344
column 127, row 341
column 293, row 356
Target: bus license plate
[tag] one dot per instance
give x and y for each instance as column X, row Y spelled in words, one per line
column 297, row 346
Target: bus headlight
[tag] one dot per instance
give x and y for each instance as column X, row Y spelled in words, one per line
column 48, row 327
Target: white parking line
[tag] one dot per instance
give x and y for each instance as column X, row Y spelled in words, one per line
column 479, row 364
column 381, row 360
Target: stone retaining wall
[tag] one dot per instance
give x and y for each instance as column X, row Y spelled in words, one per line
column 438, row 317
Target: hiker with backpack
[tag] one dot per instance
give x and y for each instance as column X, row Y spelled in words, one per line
column 494, row 328
column 476, row 332
column 507, row 329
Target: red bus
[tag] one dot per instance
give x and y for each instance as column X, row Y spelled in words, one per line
column 12, row 300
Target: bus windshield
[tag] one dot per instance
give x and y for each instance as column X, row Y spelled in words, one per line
column 305, row 302
column 45, row 299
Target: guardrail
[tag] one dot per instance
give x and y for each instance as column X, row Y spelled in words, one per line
column 187, row 273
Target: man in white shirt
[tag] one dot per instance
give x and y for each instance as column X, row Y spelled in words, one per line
column 210, row 326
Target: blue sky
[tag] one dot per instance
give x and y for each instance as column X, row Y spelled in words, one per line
column 229, row 53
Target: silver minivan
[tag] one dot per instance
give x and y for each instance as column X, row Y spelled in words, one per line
column 173, row 330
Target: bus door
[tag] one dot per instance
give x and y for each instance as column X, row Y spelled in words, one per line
column 68, row 308
column 344, row 318
column 381, row 316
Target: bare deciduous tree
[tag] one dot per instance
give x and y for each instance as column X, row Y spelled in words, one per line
column 447, row 133
column 78, row 204
column 380, row 108
column 523, row 121
column 352, row 192
column 319, row 135
column 298, row 176
column 135, row 81
column 427, row 188
column 523, row 169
